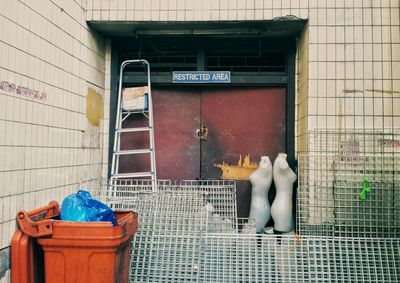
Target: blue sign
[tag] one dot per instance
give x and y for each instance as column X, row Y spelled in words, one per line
column 201, row 77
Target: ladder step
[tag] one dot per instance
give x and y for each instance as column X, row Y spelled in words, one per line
column 133, row 175
column 125, row 112
column 133, row 151
column 130, row 130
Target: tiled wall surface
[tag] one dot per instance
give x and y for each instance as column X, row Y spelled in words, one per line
column 302, row 92
column 348, row 76
column 48, row 61
column 193, row 10
column 353, row 65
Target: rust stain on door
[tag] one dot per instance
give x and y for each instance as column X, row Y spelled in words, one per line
column 239, row 171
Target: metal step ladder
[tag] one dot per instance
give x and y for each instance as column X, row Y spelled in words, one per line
column 124, row 114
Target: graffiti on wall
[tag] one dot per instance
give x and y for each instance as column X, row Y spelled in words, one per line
column 22, row 91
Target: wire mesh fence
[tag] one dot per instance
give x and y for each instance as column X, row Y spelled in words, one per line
column 272, row 258
column 188, row 231
column 220, row 195
column 331, row 201
column 349, row 184
column 350, row 143
column 172, row 220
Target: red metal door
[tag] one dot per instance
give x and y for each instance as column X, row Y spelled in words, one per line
column 241, row 121
column 176, row 118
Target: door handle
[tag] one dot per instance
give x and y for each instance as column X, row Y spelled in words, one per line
column 202, row 133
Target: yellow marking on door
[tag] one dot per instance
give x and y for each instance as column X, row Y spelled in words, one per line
column 239, row 171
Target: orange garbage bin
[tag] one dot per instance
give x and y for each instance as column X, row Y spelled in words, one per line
column 73, row 251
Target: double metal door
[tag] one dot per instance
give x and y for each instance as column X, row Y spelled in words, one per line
column 199, row 128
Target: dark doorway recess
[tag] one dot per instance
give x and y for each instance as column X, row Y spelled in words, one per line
column 252, row 61
column 254, row 114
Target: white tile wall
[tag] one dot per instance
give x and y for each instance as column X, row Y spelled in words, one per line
column 353, row 46
column 362, row 42
column 189, row 10
column 46, row 145
column 352, row 59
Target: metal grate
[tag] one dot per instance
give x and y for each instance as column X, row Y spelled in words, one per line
column 352, row 143
column 186, row 235
column 331, row 178
column 271, row 258
column 329, row 196
column 165, row 248
column 221, row 194
column 171, row 224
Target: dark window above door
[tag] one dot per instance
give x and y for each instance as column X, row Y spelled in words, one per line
column 250, row 60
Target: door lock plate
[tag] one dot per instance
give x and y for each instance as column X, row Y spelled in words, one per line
column 202, row 133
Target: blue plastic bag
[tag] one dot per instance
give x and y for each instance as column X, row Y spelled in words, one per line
column 81, row 207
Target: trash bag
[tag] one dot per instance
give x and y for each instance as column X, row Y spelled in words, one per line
column 81, row 207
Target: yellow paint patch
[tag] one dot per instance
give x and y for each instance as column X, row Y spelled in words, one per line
column 240, row 171
column 94, row 107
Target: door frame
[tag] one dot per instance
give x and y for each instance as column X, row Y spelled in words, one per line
column 277, row 80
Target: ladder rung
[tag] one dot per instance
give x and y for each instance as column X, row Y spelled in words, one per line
column 130, row 130
column 139, row 111
column 133, row 151
column 133, row 175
